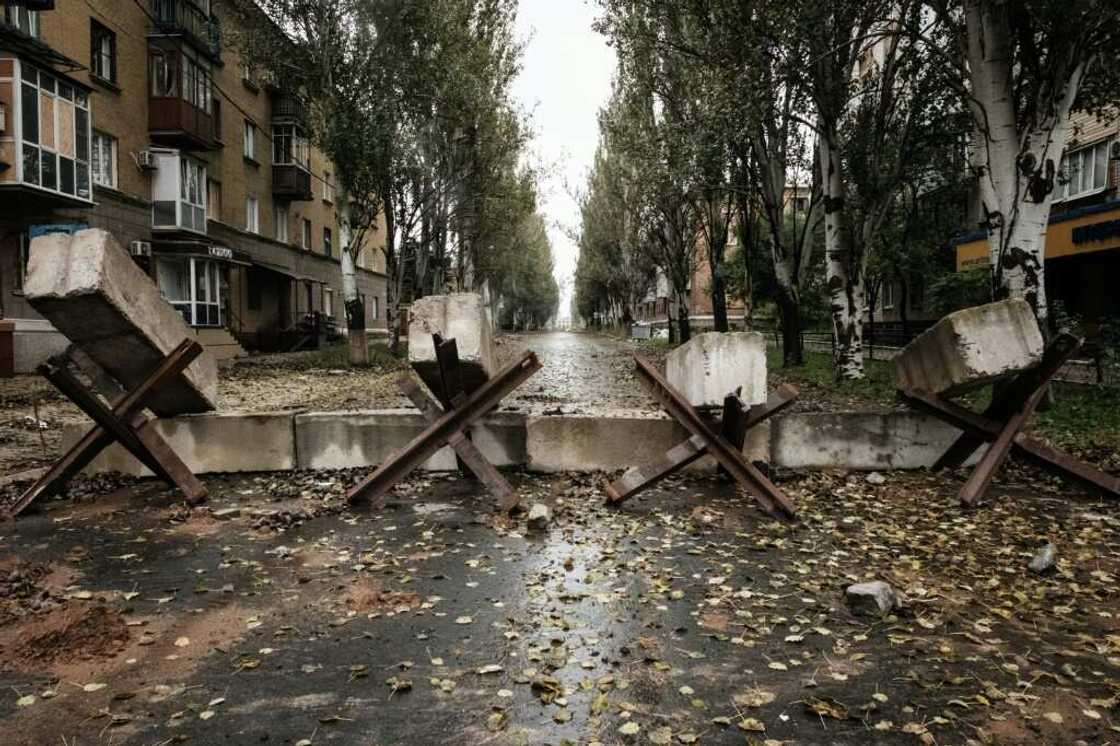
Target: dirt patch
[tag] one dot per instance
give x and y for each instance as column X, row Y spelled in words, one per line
column 30, row 587
column 67, row 634
column 368, row 597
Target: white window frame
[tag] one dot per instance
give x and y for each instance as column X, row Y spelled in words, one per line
column 306, row 234
column 103, row 148
column 328, row 187
column 283, row 220
column 1087, row 154
column 328, row 302
column 888, row 295
column 249, row 141
column 374, row 307
column 252, row 214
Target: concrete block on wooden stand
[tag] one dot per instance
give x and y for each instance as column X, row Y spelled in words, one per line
column 970, row 348
column 459, row 316
column 711, row 365
column 92, row 291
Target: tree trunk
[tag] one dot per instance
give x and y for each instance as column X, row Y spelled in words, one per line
column 793, row 350
column 351, row 300
column 719, row 304
column 844, row 268
column 392, row 272
column 684, row 324
column 1018, row 170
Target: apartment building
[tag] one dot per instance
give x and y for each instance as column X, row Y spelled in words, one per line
column 136, row 117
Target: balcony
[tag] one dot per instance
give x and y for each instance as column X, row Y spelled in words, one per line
column 177, row 123
column 184, row 18
column 288, row 109
column 291, row 182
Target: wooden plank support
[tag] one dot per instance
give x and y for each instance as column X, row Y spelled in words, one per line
column 124, row 422
column 1001, row 425
column 466, row 451
column 765, row 492
column 443, row 430
column 733, row 429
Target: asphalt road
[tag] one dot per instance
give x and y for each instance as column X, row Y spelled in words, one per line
column 582, row 373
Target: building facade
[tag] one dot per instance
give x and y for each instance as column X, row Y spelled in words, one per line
column 137, row 118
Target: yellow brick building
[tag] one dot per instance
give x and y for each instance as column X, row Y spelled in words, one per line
column 134, row 116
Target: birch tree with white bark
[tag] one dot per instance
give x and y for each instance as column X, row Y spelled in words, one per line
column 1022, row 67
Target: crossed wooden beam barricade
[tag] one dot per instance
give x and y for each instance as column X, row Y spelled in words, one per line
column 726, row 445
column 1001, row 426
column 123, row 421
column 448, row 423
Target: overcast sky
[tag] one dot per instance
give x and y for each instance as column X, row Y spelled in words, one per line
column 566, row 77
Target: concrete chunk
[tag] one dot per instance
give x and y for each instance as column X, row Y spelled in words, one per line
column 89, row 288
column 871, row 599
column 711, row 365
column 459, row 316
column 970, row 348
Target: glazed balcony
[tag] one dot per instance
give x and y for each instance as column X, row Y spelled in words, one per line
column 187, row 19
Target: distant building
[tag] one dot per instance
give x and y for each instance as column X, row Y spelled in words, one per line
column 137, row 118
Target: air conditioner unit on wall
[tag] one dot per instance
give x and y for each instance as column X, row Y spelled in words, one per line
column 140, row 248
column 146, row 160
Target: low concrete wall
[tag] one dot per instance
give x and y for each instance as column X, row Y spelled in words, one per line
column 607, row 442
column 334, row 440
column 859, row 440
column 210, row 443
column 615, row 441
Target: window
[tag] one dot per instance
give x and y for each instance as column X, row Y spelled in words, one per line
column 252, row 215
column 193, row 287
column 289, row 146
column 216, row 106
column 214, row 199
column 103, row 160
column 178, row 192
column 888, row 295
column 54, row 125
column 249, row 76
column 305, row 241
column 250, row 141
column 27, row 21
column 328, row 302
column 1084, row 171
column 178, row 74
column 328, row 187
column 102, row 52
column 327, row 241
column 282, row 220
column 373, row 309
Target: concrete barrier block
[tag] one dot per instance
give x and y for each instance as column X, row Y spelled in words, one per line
column 89, row 288
column 970, row 348
column 211, row 443
column 340, row 440
column 711, row 365
column 860, row 440
column 459, row 316
column 615, row 441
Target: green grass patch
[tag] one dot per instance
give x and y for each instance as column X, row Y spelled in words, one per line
column 876, row 388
